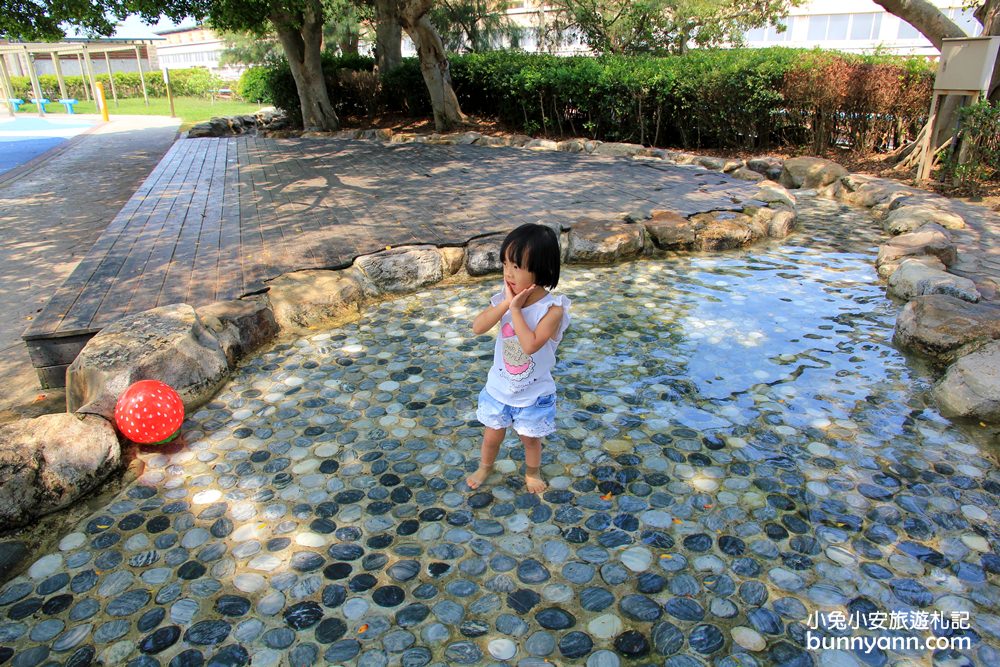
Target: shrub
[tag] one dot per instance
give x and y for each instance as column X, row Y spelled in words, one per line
column 253, row 85
column 980, row 152
column 742, row 98
column 344, row 94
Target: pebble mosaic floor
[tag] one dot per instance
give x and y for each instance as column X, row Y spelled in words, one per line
column 739, row 446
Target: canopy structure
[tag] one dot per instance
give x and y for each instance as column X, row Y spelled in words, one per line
column 82, row 51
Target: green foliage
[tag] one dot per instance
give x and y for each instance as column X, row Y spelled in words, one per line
column 254, row 85
column 194, row 82
column 980, row 137
column 742, row 98
column 663, row 26
column 472, row 25
column 346, row 98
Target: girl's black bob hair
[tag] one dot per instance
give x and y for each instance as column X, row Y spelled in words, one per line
column 535, row 248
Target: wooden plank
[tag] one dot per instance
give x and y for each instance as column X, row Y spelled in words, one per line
column 205, row 269
column 56, row 351
column 285, row 254
column 230, row 269
column 179, row 274
column 99, row 266
column 52, row 377
column 138, row 275
column 253, row 250
column 49, row 320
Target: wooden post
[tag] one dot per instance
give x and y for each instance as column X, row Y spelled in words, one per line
column 90, row 75
column 142, row 77
column 170, row 96
column 927, row 146
column 35, row 85
column 111, row 78
column 83, row 75
column 57, row 66
column 8, row 86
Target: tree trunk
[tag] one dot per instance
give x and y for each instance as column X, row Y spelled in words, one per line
column 989, row 15
column 388, row 35
column 302, row 49
column 925, row 17
column 433, row 64
column 936, row 27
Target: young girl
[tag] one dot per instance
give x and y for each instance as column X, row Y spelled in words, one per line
column 519, row 390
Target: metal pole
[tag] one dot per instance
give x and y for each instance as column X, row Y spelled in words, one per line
column 83, row 76
column 111, row 78
column 142, row 77
column 102, row 101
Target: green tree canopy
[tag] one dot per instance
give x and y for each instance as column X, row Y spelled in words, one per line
column 664, row 26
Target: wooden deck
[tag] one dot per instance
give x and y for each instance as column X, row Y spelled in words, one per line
column 218, row 218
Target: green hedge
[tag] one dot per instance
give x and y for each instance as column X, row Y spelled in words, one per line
column 746, row 98
column 193, row 82
column 254, row 86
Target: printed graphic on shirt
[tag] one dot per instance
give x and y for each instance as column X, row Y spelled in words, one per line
column 517, row 365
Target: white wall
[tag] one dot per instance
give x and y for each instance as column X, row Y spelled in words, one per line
column 856, row 25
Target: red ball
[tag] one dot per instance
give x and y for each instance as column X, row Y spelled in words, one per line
column 149, row 412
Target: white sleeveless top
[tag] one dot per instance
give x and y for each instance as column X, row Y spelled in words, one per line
column 518, row 379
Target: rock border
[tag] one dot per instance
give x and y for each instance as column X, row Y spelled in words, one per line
column 196, row 350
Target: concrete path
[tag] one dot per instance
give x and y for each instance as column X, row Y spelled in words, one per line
column 50, row 215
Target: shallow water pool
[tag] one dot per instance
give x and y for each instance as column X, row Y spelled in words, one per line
column 742, row 455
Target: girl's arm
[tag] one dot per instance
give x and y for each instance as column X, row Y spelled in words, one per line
column 488, row 319
column 532, row 341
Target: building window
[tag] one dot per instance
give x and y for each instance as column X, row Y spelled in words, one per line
column 770, row 33
column 907, row 31
column 865, row 27
column 964, row 19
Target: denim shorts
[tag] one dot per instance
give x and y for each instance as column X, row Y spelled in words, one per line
column 533, row 421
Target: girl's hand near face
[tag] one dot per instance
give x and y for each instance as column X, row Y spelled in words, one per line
column 519, row 300
column 508, row 294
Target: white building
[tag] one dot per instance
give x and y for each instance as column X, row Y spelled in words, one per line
column 858, row 26
column 843, row 25
column 194, row 46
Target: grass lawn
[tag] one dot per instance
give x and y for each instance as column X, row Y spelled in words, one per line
column 190, row 110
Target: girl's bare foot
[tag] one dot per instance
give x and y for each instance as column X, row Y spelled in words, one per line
column 533, row 480
column 477, row 478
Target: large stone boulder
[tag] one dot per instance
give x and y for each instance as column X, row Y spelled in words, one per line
column 482, row 255
column 910, row 218
column 541, row 145
column 915, row 278
column 773, row 193
column 48, row 462
column 769, row 167
column 304, row 300
column 722, row 230
column 944, row 328
column 241, row 326
column 604, row 241
column 777, row 222
column 930, row 239
column 671, row 231
column 810, row 172
column 862, row 190
column 745, row 174
column 170, row 344
column 970, row 389
column 616, row 149
column 402, row 269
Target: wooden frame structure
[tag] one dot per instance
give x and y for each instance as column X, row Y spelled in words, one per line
column 82, row 51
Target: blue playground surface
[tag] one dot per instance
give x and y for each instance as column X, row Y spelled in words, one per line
column 23, row 139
